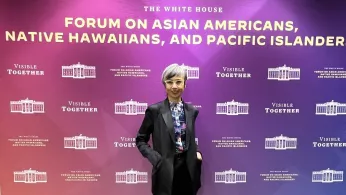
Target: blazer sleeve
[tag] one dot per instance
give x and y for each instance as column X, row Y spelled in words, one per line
column 143, row 136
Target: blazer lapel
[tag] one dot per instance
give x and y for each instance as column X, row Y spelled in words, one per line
column 188, row 118
column 167, row 117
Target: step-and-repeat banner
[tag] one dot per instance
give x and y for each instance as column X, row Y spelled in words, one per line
column 267, row 76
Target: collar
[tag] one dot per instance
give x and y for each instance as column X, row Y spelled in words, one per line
column 176, row 103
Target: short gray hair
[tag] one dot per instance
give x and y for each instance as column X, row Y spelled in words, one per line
column 174, row 70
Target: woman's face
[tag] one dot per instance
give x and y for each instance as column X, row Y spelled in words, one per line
column 175, row 87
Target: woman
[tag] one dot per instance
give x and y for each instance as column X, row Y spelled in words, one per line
column 174, row 155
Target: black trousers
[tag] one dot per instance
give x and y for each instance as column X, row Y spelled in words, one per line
column 182, row 184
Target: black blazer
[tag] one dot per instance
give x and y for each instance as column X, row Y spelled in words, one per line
column 158, row 123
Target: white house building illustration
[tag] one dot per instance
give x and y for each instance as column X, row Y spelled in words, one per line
column 80, row 142
column 192, row 72
column 131, row 177
column 284, row 73
column 232, row 108
column 331, row 108
column 30, row 176
column 230, row 177
column 327, row 176
column 130, row 107
column 27, row 106
column 280, row 143
column 78, row 71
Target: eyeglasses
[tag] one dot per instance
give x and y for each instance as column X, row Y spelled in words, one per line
column 176, row 82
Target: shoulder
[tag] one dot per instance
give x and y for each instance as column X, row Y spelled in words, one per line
column 155, row 107
column 192, row 108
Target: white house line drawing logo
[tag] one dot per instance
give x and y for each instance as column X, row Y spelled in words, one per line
column 30, row 176
column 27, row 106
column 80, row 142
column 331, row 108
column 280, row 143
column 78, row 71
column 232, row 108
column 130, row 107
column 327, row 176
column 284, row 73
column 230, row 177
column 131, row 177
column 192, row 72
